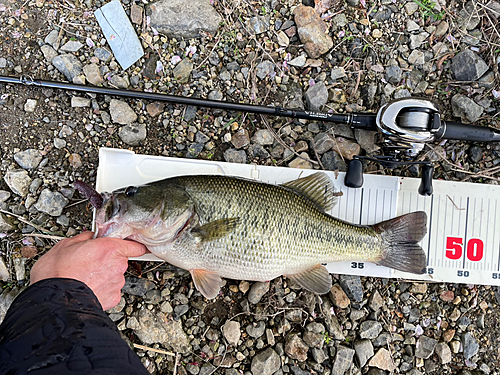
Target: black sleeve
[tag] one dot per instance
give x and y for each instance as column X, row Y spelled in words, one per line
column 57, row 326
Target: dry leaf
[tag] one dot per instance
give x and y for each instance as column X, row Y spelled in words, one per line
column 29, row 252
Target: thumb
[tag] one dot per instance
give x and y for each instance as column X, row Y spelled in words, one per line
column 130, row 249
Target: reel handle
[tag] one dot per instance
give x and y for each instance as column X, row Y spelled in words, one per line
column 425, row 187
column 354, row 176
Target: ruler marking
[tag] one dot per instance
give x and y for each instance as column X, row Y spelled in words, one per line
column 445, row 261
column 487, row 226
column 361, row 206
column 430, row 230
column 466, row 223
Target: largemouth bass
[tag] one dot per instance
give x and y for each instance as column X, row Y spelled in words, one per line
column 218, row 226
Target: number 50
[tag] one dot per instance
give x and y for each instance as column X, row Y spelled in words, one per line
column 454, row 249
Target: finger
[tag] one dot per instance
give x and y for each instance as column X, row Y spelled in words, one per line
column 84, row 236
column 124, row 248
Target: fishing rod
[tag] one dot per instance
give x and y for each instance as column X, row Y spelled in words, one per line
column 406, row 124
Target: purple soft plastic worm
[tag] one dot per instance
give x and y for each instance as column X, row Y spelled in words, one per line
column 90, row 193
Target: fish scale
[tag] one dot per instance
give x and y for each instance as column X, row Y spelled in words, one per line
column 280, row 232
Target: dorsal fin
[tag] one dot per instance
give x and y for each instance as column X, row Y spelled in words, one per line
column 318, row 188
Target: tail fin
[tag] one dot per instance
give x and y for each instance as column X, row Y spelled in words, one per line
column 401, row 236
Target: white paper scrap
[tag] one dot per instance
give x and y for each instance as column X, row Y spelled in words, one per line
column 119, row 33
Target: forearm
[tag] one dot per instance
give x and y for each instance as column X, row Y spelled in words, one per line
column 56, row 324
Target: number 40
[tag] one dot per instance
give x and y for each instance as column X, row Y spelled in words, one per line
column 454, row 248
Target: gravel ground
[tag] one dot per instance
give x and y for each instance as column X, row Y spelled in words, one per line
column 343, row 57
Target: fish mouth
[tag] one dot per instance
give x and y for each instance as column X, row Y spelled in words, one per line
column 108, row 216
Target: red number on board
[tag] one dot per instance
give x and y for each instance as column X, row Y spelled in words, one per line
column 453, row 247
column 454, row 250
column 475, row 249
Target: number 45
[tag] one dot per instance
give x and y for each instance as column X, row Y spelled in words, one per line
column 454, row 249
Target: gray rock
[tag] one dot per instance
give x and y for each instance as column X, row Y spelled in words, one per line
column 265, row 68
column 51, row 202
column 201, row 138
column 258, row 25
column 382, row 15
column 416, row 40
column 475, row 154
column 317, row 96
column 194, row 150
column 352, row 287
column 184, row 19
column 338, row 73
column 314, row 339
column 295, row 347
column 333, row 162
column 331, row 323
column 299, row 61
column 59, row 143
column 158, row 328
column 234, row 156
column 68, row 65
column 18, row 181
column 183, row 70
column 468, row 66
column 425, row 347
column 79, row 102
column 53, row 39
column 402, row 93
column 416, row 57
column 4, row 195
column 343, row 360
column 468, row 18
column 19, row 268
column 121, row 112
column 214, row 58
column 71, row 46
column 190, row 113
column 267, row 362
column 3, row 62
column 28, row 159
column 364, row 351
column 258, row 151
column 263, row 137
column 133, row 134
column 366, row 139
column 353, row 3
column 256, row 330
column 470, row 344
column 30, row 105
column 153, row 297
column 4, row 270
column 257, row 291
column 48, row 52
column 369, row 329
column 103, row 54
column 137, row 286
column 319, row 355
column 443, row 351
column 368, row 94
column 393, row 74
column 295, row 370
column 215, row 95
column 412, row 26
column 323, row 142
column 120, row 82
column 231, row 332
column 487, row 81
column 465, row 108
column 6, row 224
column 180, row 310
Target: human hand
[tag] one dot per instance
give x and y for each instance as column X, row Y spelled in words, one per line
column 99, row 263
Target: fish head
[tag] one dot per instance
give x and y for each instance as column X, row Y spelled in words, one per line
column 150, row 214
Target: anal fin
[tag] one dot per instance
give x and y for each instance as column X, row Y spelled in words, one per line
column 207, row 282
column 316, row 279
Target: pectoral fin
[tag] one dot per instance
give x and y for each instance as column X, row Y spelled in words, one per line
column 215, row 229
column 316, row 279
column 207, row 282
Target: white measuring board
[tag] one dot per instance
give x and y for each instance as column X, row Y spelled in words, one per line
column 463, row 240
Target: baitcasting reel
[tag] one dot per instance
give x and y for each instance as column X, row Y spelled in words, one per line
column 406, row 125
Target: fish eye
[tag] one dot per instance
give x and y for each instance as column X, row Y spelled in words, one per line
column 130, row 191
